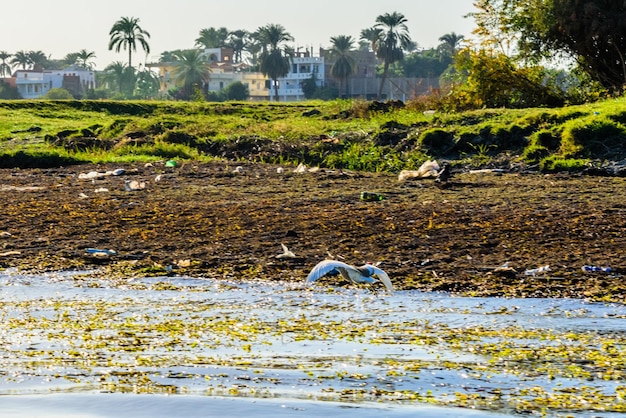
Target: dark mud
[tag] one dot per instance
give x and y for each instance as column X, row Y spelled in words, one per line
column 207, row 220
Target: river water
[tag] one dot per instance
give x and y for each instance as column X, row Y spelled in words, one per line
column 86, row 346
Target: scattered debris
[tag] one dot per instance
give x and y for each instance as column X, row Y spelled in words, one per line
column 301, row 168
column 539, row 270
column 426, row 170
column 6, row 188
column 134, row 185
column 371, row 197
column 10, row 253
column 99, row 253
column 101, row 190
column 171, row 163
column 588, row 269
column 487, row 171
column 99, row 174
column 444, row 174
column 5, row 234
column 238, row 169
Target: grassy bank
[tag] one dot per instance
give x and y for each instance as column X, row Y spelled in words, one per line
column 368, row 136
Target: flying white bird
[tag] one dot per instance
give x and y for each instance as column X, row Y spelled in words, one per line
column 357, row 275
column 286, row 252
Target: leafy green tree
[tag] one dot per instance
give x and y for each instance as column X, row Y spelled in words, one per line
column 212, row 38
column 126, row 34
column 191, row 71
column 309, row 87
column 58, row 94
column 393, row 38
column 147, row 84
column 592, row 33
column 21, row 58
column 275, row 59
column 5, row 68
column 342, row 52
column 237, row 91
column 494, row 80
column 8, row 92
column 427, row 64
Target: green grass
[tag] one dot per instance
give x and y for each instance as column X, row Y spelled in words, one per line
column 345, row 134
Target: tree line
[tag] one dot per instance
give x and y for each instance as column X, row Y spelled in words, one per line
column 511, row 63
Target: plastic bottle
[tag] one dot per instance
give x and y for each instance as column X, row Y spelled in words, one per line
column 98, row 252
column 587, row 269
column 539, row 270
column 371, row 197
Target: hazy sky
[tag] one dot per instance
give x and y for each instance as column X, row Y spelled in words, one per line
column 58, row 27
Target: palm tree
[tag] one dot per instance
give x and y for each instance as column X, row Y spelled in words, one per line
column 84, row 57
column 394, row 38
column 343, row 53
column 121, row 77
column 254, row 48
column 38, row 59
column 70, row 58
column 21, row 58
column 126, row 33
column 238, row 40
column 191, row 70
column 371, row 36
column 450, row 43
column 212, row 38
column 5, row 69
column 276, row 57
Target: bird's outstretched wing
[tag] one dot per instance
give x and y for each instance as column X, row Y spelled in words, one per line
column 381, row 275
column 325, row 267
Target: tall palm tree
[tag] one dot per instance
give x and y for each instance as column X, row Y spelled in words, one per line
column 342, row 52
column 450, row 43
column 276, row 56
column 22, row 59
column 371, row 36
column 126, row 33
column 212, row 38
column 121, row 77
column 191, row 70
column 394, row 38
column 84, row 57
column 238, row 40
column 254, row 49
column 5, row 68
column 38, row 59
column 70, row 58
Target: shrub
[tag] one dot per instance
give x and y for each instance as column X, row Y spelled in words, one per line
column 58, row 94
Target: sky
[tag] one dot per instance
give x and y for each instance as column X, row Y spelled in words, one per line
column 60, row 27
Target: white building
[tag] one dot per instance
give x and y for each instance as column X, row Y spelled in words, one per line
column 33, row 84
column 224, row 72
column 303, row 67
